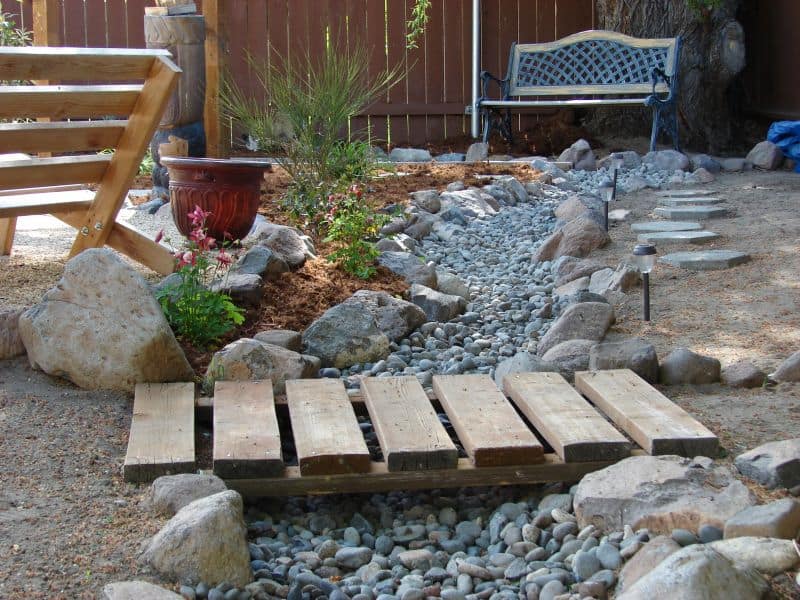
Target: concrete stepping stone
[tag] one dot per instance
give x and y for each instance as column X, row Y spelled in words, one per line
column 660, row 238
column 707, row 260
column 655, row 226
column 690, row 193
column 691, row 201
column 691, row 212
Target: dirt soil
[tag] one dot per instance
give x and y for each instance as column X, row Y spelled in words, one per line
column 69, row 523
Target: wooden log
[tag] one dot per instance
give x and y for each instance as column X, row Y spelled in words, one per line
column 327, row 437
column 657, row 424
column 409, row 432
column 575, row 430
column 487, row 425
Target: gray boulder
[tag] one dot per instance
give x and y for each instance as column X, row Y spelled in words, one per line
column 684, row 366
column 622, row 279
column 395, row 225
column 427, row 200
column 205, row 541
column 765, row 155
column 735, row 165
column 420, row 225
column 260, row 260
column 287, row 243
column 701, row 175
column 514, row 188
column 584, row 321
column 765, row 555
column 667, row 160
column 789, row 370
column 410, row 155
column 704, row 161
column 630, row 160
column 396, row 318
column 522, row 362
column 247, row 359
column 743, row 374
column 477, row 152
column 571, row 208
column 344, row 335
column 661, row 493
column 409, row 267
column 472, row 203
column 101, row 328
column 10, row 341
column 437, row 306
column 285, row 338
column 399, row 242
column 570, row 268
column 170, row 493
column 580, row 156
column 569, row 356
column 577, row 238
column 243, row 288
column 645, row 560
column 447, row 283
column 697, row 572
column 779, row 519
column 635, row 354
column 774, row 464
column 137, row 590
column 576, row 286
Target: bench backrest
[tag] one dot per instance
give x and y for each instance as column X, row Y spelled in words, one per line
column 590, row 63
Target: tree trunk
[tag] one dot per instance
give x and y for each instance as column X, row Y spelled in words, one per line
column 712, row 54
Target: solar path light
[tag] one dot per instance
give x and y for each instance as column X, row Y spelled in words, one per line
column 606, row 189
column 644, row 255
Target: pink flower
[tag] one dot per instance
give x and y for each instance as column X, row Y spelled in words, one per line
column 207, row 243
column 185, row 259
column 198, row 216
column 159, row 236
column 224, row 258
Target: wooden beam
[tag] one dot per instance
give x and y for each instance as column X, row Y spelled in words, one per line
column 7, row 229
column 62, row 136
column 66, row 101
column 46, row 23
column 213, row 12
column 62, row 170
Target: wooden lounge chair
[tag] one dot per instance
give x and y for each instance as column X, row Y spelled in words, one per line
column 67, row 104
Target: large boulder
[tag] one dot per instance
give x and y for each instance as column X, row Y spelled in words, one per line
column 344, row 335
column 288, row 243
column 577, row 238
column 447, row 283
column 570, row 208
column 743, row 374
column 170, row 493
column 243, row 288
column 410, row 155
column 765, row 155
column 779, row 519
column 137, row 590
column 409, row 267
column 569, row 268
column 583, row 321
column 580, row 156
column 427, row 200
column 101, row 328
column 247, row 359
column 437, row 306
column 661, row 493
column 697, row 572
column 766, row 555
column 396, row 318
column 789, row 370
column 645, row 560
column 774, row 464
column 684, row 366
column 635, row 354
column 260, row 260
column 667, row 160
column 622, row 279
column 569, row 356
column 472, row 203
column 10, row 341
column 205, row 541
column 285, row 338
column 522, row 362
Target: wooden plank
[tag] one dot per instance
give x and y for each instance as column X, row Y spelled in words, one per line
column 247, row 442
column 53, row 171
column 327, row 437
column 380, row 479
column 45, row 203
column 61, row 136
column 487, row 425
column 410, row 434
column 67, row 101
column 214, row 64
column 7, row 229
column 73, row 64
column 161, row 440
column 657, row 424
column 575, row 430
column 46, row 23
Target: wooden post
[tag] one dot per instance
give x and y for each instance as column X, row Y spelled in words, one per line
column 46, row 23
column 213, row 11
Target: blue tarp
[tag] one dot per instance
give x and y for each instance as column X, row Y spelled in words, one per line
column 786, row 135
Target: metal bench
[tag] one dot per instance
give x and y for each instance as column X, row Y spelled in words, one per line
column 591, row 68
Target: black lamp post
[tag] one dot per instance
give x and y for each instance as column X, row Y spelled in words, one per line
column 606, row 189
column 617, row 159
column 645, row 257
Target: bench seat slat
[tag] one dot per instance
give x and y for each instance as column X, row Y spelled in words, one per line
column 67, row 101
column 61, row 170
column 73, row 64
column 572, row 102
column 61, row 136
column 35, row 204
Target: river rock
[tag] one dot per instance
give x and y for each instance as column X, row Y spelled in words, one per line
column 660, row 493
column 789, row 370
column 137, row 590
column 170, row 493
column 697, row 573
column 635, row 354
column 101, row 327
column 569, row 356
column 10, row 341
column 583, row 321
column 437, row 306
column 580, row 155
column 344, row 335
column 743, row 374
column 409, row 267
column 260, row 260
column 522, row 362
column 645, row 560
column 285, row 338
column 774, row 464
column 778, row 519
column 247, row 359
column 205, row 541
column 766, row 555
column 684, row 366
column 288, row 243
column 396, row 318
column 765, row 155
column 667, row 160
column 577, row 238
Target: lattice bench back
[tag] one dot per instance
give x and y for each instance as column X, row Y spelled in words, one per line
column 591, row 62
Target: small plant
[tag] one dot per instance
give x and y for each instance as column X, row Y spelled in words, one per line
column 194, row 311
column 147, row 165
column 351, row 222
column 10, row 34
column 416, row 25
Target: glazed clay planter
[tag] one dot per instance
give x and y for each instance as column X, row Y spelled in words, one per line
column 229, row 189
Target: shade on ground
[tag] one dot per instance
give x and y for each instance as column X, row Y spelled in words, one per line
column 654, row 226
column 684, row 193
column 691, row 212
column 660, row 238
column 707, row 260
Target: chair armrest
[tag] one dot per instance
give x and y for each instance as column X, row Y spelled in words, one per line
column 657, row 75
column 487, row 79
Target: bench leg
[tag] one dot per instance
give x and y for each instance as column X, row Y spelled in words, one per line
column 665, row 118
column 7, row 229
column 499, row 120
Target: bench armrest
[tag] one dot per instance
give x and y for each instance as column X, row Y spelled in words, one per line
column 486, row 79
column 657, row 75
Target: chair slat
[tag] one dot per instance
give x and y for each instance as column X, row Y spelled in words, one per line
column 67, row 101
column 75, row 64
column 61, row 170
column 61, row 136
column 34, row 204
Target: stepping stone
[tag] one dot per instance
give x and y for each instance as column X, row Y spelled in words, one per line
column 691, row 212
column 654, row 226
column 691, row 193
column 618, row 215
column 708, row 260
column 660, row 238
column 693, row 201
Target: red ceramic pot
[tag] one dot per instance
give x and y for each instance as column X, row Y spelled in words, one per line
column 228, row 189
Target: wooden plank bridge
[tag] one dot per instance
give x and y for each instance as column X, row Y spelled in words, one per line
column 538, row 428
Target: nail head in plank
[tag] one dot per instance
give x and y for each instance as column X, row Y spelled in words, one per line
column 487, row 425
column 409, row 432
column 575, row 430
column 161, row 439
column 246, row 437
column 327, row 437
column 655, row 422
